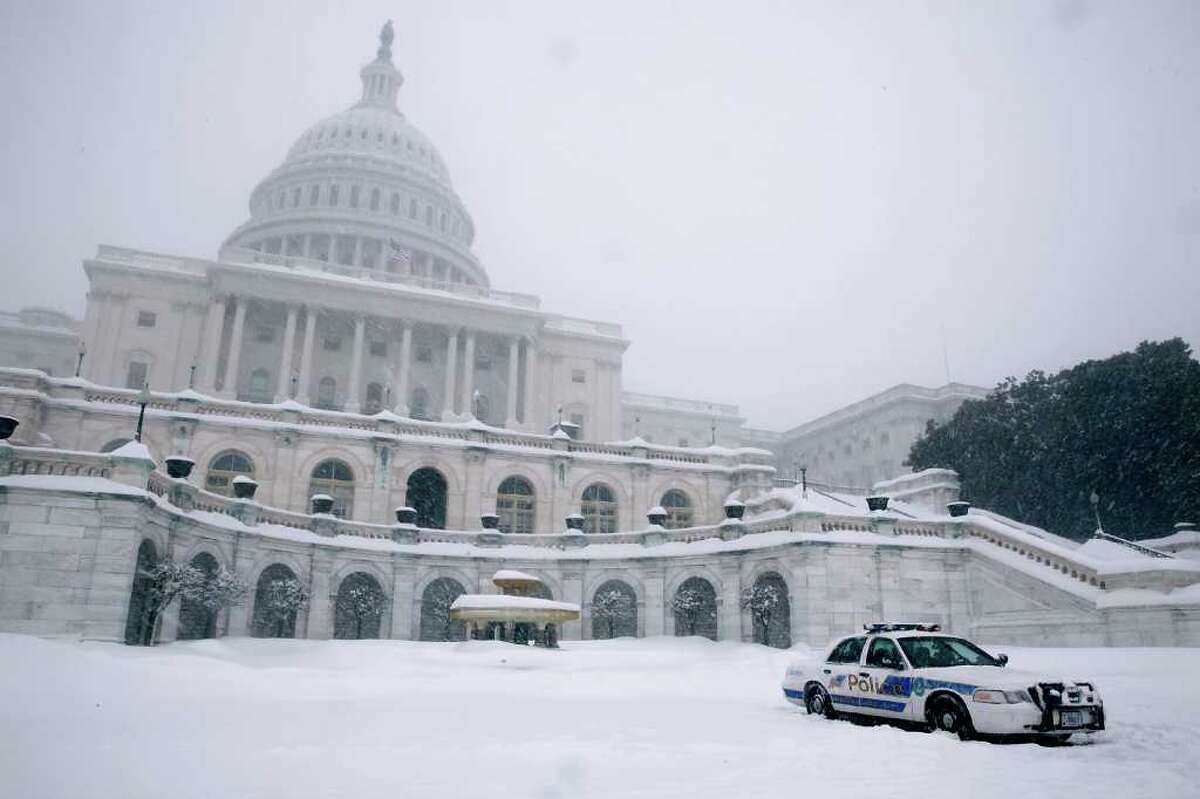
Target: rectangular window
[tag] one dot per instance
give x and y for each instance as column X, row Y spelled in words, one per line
column 146, row 319
column 137, row 375
column 296, row 197
column 379, row 348
column 314, row 195
column 483, row 362
column 354, row 196
column 332, row 343
column 578, row 376
column 264, row 334
column 425, row 354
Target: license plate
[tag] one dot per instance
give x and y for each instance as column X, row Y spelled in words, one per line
column 1072, row 718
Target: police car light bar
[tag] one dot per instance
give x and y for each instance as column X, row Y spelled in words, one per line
column 884, row 627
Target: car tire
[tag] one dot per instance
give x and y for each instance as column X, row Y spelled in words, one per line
column 1054, row 740
column 949, row 715
column 817, row 702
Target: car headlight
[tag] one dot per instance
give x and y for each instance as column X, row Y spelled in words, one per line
column 994, row 696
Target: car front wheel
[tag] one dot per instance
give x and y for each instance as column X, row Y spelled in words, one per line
column 817, row 702
column 949, row 715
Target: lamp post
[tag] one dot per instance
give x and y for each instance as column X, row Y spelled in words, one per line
column 192, row 375
column 1095, row 500
column 804, row 481
column 79, row 363
column 144, row 398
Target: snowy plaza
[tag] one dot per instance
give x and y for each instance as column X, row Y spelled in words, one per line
column 654, row 717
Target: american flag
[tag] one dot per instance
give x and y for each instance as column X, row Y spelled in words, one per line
column 400, row 258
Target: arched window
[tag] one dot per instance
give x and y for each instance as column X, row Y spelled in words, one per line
column 333, row 477
column 374, row 403
column 259, row 389
column 679, row 509
column 599, row 509
column 770, row 611
column 514, row 505
column 354, row 191
column 395, row 204
column 374, row 199
column 426, row 494
column 278, row 597
column 358, row 611
column 412, row 209
column 436, row 624
column 223, row 468
column 326, row 392
column 429, row 215
column 418, row 404
column 614, row 610
column 695, row 608
column 334, row 191
column 314, row 194
column 139, row 620
column 196, row 620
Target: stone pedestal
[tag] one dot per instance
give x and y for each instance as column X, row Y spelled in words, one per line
column 325, row 524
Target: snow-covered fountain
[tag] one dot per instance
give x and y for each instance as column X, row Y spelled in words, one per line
column 517, row 615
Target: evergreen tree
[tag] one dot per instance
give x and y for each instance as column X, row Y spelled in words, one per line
column 1126, row 427
column 282, row 599
column 612, row 608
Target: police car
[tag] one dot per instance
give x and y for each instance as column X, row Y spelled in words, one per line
column 913, row 673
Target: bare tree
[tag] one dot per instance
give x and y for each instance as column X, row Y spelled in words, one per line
column 691, row 606
column 762, row 600
column 279, row 603
column 612, row 607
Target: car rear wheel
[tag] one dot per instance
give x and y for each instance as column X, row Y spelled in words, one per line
column 817, row 702
column 948, row 715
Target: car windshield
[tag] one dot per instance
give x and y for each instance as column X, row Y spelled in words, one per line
column 940, row 652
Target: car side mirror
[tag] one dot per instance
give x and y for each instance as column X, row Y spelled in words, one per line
column 1002, row 659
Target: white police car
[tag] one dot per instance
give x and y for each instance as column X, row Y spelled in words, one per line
column 913, row 673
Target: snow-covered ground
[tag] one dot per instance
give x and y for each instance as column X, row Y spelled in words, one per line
column 648, row 718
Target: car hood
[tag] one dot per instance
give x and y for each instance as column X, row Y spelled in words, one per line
column 1003, row 678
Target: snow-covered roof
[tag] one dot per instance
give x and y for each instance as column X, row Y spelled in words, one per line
column 490, row 601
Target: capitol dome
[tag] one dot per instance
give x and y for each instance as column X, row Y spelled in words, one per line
column 364, row 190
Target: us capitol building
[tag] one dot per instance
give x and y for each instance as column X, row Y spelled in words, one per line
column 346, row 360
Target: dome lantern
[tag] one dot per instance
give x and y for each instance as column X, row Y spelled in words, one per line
column 380, row 79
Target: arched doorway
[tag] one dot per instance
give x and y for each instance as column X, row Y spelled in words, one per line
column 614, row 610
column 197, row 621
column 358, row 611
column 436, row 624
column 426, row 494
column 770, row 611
column 695, row 608
column 139, row 620
column 278, row 598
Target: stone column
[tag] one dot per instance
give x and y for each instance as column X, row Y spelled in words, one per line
column 653, row 611
column 468, row 387
column 404, row 578
column 572, row 589
column 229, row 388
column 530, row 415
column 514, row 354
column 320, row 610
column 729, row 621
column 360, row 330
column 285, row 360
column 402, row 370
column 448, row 394
column 310, row 332
column 210, row 349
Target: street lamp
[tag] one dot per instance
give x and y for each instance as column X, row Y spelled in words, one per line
column 79, row 363
column 1095, row 500
column 144, row 398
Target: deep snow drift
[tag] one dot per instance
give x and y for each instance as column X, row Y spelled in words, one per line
column 648, row 718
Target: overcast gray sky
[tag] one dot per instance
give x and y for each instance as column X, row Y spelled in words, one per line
column 784, row 203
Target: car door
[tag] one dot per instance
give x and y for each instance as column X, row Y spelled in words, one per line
column 843, row 663
column 885, row 681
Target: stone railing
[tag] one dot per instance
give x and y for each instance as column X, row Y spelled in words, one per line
column 987, row 534
column 384, row 423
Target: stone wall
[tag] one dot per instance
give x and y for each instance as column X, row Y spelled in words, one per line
column 68, row 548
